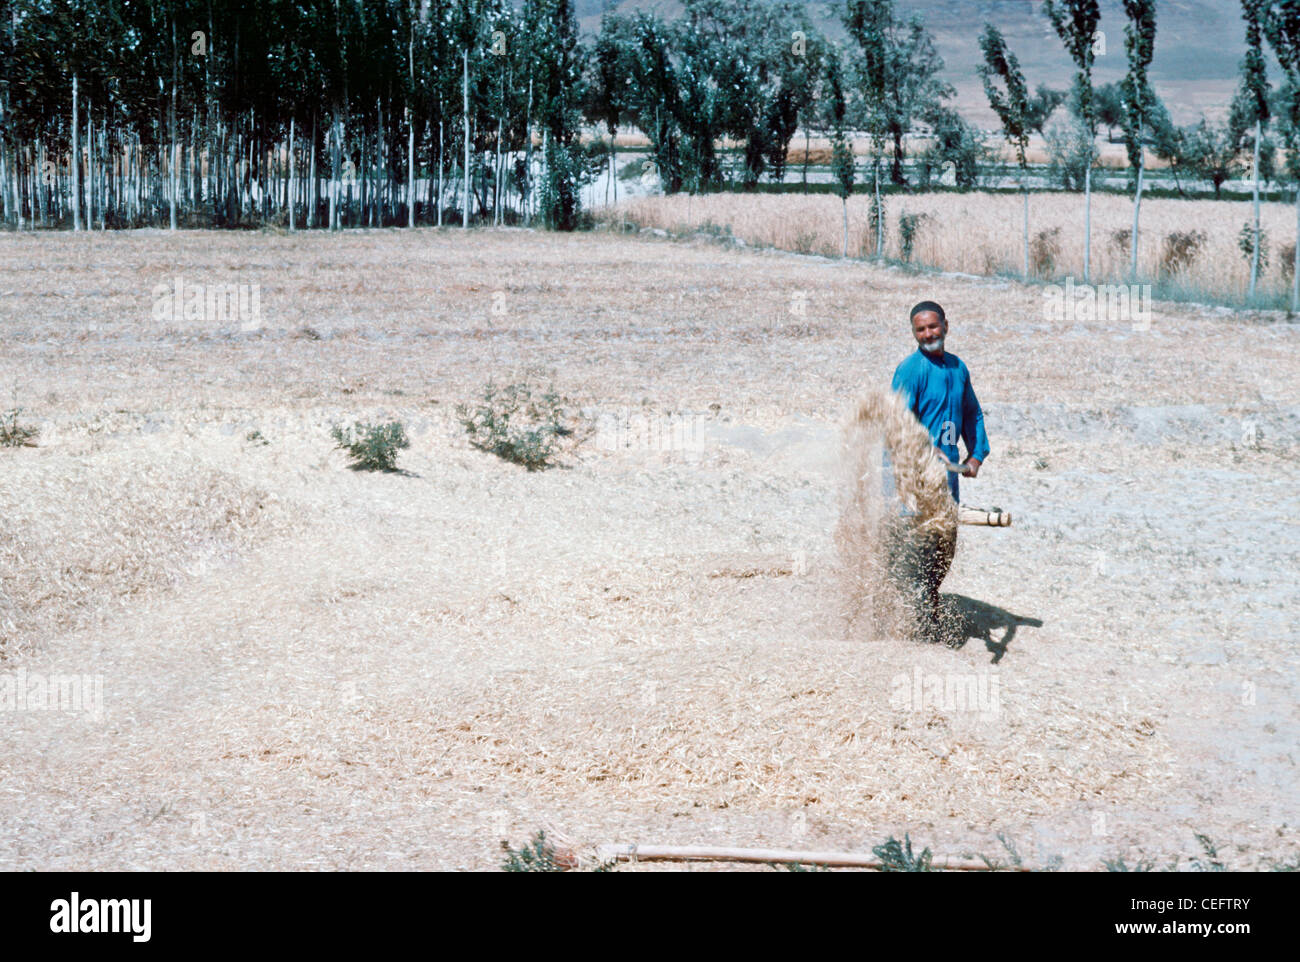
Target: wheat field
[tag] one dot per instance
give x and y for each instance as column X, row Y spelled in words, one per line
column 982, row 233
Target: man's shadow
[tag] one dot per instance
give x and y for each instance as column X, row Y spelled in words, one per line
column 979, row 620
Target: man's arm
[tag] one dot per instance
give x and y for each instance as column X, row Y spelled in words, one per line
column 972, row 428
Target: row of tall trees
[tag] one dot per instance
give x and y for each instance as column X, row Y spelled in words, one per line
column 366, row 112
column 1134, row 106
column 361, row 112
column 323, row 112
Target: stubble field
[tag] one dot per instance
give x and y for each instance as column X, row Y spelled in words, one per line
column 308, row 667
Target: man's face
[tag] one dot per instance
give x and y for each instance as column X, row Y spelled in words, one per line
column 929, row 331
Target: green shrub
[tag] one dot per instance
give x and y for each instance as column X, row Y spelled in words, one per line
column 897, row 856
column 537, row 856
column 13, row 434
column 908, row 224
column 519, row 423
column 372, row 447
column 1246, row 244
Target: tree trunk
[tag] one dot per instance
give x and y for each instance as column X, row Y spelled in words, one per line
column 313, row 194
column 496, row 180
column 1295, row 275
column 410, row 167
column 1087, row 221
column 1024, row 188
column 1137, row 207
column 880, row 215
column 76, row 162
column 90, row 167
column 807, row 143
column 1254, row 255
column 528, row 159
column 292, row 172
column 464, row 222
column 441, row 167
column 334, row 170
column 174, row 181
column 844, row 204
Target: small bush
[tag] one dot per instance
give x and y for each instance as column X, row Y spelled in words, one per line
column 1246, row 244
column 805, row 243
column 1044, row 251
column 1121, row 239
column 537, row 856
column 897, row 856
column 1179, row 251
column 1211, row 862
column 13, row 434
column 372, row 447
column 518, row 423
column 1286, row 261
column 1118, row 865
column 908, row 224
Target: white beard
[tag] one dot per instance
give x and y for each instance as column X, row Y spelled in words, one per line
column 934, row 347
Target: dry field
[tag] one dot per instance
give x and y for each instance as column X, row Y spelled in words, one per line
column 979, row 233
column 307, row 667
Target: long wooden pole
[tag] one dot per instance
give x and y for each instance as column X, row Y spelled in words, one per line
column 706, row 853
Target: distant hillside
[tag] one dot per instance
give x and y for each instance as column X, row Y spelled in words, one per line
column 1198, row 46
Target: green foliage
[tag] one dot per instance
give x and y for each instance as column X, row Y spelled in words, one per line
column 519, row 423
column 843, row 165
column 1119, row 865
column 1075, row 22
column 955, row 142
column 13, row 434
column 537, row 856
column 907, row 227
column 1135, row 98
column 372, row 447
column 1246, row 244
column 899, row 73
column 1211, row 862
column 1011, row 102
column 898, row 857
column 559, row 199
column 1071, row 149
column 1212, row 152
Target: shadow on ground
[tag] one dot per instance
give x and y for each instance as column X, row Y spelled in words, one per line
column 994, row 626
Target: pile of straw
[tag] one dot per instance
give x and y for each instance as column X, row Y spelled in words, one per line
column 82, row 533
column 870, row 522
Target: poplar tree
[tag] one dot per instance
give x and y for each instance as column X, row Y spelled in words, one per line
column 1138, row 100
column 1075, row 22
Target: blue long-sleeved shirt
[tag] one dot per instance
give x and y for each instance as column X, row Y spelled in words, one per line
column 939, row 393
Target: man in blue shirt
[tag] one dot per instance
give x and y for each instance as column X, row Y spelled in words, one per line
column 938, row 391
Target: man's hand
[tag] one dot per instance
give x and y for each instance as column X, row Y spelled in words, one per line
column 973, row 467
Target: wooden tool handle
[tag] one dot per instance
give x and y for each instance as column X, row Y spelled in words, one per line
column 991, row 519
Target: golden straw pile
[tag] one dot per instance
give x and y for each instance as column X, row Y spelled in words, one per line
column 882, row 421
